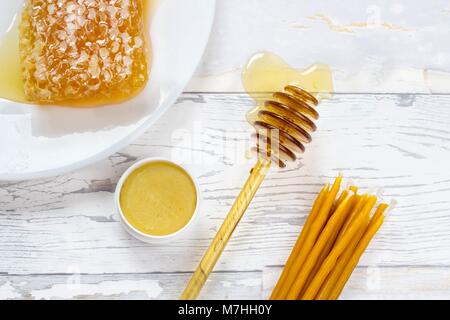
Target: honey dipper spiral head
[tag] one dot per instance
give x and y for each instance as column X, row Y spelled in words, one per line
column 284, row 124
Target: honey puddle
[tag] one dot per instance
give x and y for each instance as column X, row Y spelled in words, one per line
column 11, row 76
column 11, row 84
column 266, row 73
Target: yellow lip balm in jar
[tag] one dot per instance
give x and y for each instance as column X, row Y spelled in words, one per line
column 156, row 199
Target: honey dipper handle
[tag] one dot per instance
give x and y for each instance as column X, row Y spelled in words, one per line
column 226, row 230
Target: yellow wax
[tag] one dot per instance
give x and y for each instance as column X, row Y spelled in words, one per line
column 158, row 198
column 299, row 244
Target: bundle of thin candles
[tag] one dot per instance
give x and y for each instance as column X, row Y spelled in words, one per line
column 334, row 237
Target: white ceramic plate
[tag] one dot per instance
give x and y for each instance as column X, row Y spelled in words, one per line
column 44, row 141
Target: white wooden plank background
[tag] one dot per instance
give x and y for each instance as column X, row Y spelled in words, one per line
column 387, row 127
column 372, row 45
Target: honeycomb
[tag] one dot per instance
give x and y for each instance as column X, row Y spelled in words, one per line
column 83, row 51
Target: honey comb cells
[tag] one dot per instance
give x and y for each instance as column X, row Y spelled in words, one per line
column 83, row 51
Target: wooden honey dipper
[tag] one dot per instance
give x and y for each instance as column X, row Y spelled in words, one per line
column 283, row 125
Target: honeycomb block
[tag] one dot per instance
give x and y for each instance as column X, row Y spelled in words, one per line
column 83, row 51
